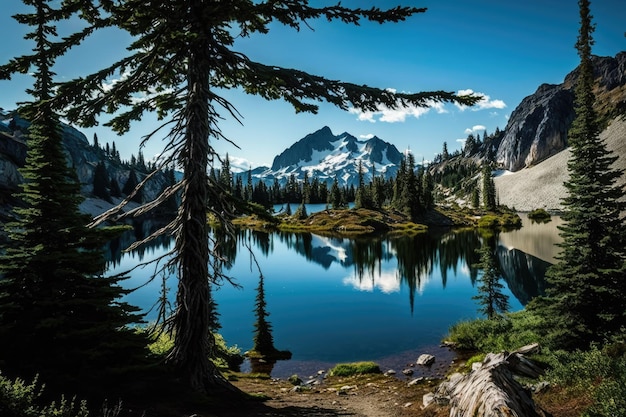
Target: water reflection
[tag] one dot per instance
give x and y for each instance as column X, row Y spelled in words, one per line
column 335, row 299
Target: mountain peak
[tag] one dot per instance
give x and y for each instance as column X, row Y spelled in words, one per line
column 327, row 156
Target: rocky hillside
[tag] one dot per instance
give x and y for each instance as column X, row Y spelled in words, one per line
column 537, row 128
column 541, row 185
column 80, row 154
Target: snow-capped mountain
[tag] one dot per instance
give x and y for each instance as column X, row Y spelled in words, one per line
column 326, row 156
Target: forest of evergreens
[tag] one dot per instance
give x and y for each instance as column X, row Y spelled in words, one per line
column 62, row 321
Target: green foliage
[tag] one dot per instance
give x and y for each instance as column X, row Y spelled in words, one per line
column 489, row 189
column 355, row 368
column 587, row 287
column 478, row 358
column 301, row 213
column 489, row 221
column 601, row 375
column 63, row 319
column 490, row 298
column 21, row 399
column 101, row 182
column 510, row 332
column 502, row 220
column 539, row 215
column 224, row 356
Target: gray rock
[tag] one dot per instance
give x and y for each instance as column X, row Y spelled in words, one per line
column 425, row 360
column 416, row 381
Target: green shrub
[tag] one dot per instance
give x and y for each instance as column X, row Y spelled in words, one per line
column 488, row 221
column 509, row 332
column 474, row 359
column 20, row 399
column 593, row 371
column 226, row 357
column 355, row 368
column 539, row 215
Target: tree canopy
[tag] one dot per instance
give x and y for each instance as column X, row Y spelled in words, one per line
column 181, row 57
column 587, row 286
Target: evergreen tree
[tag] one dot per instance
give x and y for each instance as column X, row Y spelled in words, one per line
column 226, row 176
column 444, row 154
column 101, row 182
column 334, row 197
column 185, row 82
column 427, row 191
column 114, row 188
column 489, row 189
column 301, row 212
column 249, row 185
column 58, row 316
column 130, row 187
column 475, row 197
column 490, row 297
column 587, row 286
column 95, row 141
column 362, row 199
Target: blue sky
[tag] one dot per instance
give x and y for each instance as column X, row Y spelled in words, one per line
column 501, row 49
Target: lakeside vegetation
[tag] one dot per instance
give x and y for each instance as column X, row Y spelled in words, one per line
column 65, row 322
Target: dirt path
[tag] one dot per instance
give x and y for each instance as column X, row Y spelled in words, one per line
column 375, row 396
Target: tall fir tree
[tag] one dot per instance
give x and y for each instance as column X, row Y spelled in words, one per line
column 490, row 298
column 587, row 286
column 489, row 189
column 101, row 182
column 181, row 59
column 59, row 316
column 334, row 196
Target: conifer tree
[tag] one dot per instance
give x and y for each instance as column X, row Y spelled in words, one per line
column 489, row 189
column 490, row 298
column 587, row 286
column 101, row 182
column 114, row 188
column 334, row 196
column 301, row 212
column 58, row 316
column 362, row 198
column 179, row 60
column 130, row 187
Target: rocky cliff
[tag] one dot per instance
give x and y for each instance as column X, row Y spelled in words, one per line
column 80, row 154
column 537, row 128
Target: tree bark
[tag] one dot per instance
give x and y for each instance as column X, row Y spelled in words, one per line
column 193, row 340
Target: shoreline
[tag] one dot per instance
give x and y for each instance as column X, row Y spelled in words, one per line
column 445, row 358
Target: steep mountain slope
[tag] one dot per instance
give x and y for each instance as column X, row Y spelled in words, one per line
column 327, row 156
column 80, row 154
column 537, row 128
column 541, row 185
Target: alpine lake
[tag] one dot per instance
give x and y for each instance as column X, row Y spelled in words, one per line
column 334, row 299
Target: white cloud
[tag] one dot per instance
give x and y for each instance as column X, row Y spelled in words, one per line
column 485, row 102
column 368, row 136
column 387, row 282
column 238, row 164
column 385, row 114
column 474, row 129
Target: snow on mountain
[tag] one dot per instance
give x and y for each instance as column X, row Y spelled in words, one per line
column 327, row 156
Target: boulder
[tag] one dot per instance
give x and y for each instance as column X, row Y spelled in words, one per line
column 425, row 360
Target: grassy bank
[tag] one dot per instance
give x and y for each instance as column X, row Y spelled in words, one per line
column 582, row 383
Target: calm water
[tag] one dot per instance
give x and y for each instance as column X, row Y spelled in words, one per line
column 336, row 300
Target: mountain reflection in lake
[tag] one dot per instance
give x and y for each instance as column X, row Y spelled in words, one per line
column 334, row 299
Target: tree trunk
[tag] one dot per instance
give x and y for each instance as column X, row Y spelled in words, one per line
column 193, row 340
column 491, row 390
